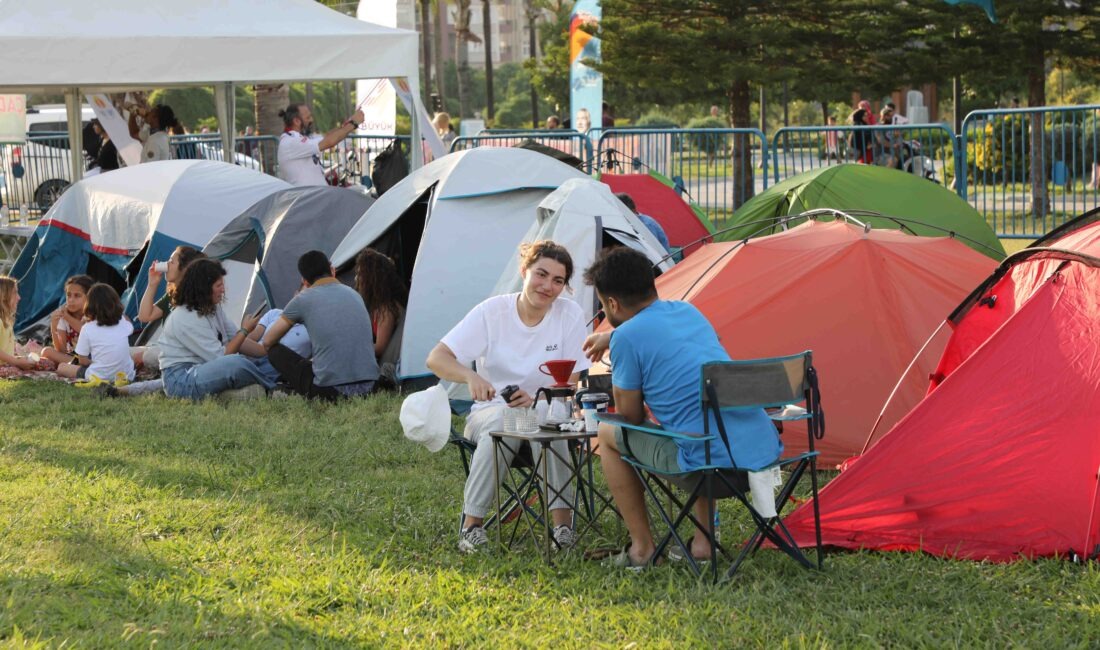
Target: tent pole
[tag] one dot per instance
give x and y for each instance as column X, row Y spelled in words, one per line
column 417, row 153
column 76, row 134
column 225, row 101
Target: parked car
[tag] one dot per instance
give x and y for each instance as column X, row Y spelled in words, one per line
column 37, row 172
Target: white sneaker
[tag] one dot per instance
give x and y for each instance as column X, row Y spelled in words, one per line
column 564, row 537
column 471, row 539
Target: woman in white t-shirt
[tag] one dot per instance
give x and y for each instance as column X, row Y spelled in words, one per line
column 509, row 337
column 103, row 348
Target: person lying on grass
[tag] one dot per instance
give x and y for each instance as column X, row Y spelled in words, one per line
column 339, row 327
column 509, row 337
column 199, row 344
column 650, row 367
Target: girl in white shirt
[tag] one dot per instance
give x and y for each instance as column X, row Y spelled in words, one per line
column 103, row 350
column 509, row 337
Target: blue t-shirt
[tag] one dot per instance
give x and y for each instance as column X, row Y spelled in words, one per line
column 655, row 228
column 661, row 351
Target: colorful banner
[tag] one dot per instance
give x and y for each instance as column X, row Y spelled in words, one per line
column 585, row 83
column 13, row 118
column 129, row 149
column 375, row 96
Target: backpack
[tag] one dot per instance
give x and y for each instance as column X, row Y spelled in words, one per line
column 390, row 166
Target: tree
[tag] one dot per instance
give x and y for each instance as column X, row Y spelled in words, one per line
column 1015, row 52
column 705, row 49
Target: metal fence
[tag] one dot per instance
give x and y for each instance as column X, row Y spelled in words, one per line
column 1030, row 170
column 926, row 150
column 34, row 173
column 719, row 169
column 1026, row 170
column 570, row 142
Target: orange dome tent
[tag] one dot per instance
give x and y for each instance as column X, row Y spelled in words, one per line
column 864, row 300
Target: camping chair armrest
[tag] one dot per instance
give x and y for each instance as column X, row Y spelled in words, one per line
column 620, row 421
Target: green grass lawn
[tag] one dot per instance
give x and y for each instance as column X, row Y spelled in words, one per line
column 288, row 524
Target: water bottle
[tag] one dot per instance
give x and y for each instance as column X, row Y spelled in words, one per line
column 24, row 214
column 5, row 216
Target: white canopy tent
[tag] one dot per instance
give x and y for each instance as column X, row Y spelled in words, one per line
column 76, row 46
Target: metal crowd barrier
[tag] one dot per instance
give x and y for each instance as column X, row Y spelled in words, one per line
column 719, row 169
column 1030, row 170
column 567, row 141
column 925, row 150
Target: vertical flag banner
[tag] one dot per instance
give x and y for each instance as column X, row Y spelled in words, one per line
column 117, row 129
column 376, row 96
column 13, row 118
column 585, row 83
column 428, row 135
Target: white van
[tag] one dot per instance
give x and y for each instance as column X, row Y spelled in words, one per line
column 45, row 166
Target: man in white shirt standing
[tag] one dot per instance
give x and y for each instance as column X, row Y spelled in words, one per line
column 300, row 150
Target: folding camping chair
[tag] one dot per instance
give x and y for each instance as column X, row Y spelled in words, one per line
column 760, row 383
column 518, row 492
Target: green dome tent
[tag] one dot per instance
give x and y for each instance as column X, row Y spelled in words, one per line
column 913, row 200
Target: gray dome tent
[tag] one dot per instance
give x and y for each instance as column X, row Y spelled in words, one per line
column 260, row 248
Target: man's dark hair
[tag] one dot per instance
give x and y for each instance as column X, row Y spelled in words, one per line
column 624, row 274
column 627, row 200
column 103, row 305
column 313, row 266
column 289, row 113
column 196, row 288
column 891, row 106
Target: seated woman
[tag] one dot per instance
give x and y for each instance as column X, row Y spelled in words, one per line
column 509, row 337
column 199, row 344
column 150, row 310
column 385, row 295
column 297, row 340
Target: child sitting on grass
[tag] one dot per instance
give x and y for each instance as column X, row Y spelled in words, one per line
column 67, row 321
column 103, row 349
column 10, row 363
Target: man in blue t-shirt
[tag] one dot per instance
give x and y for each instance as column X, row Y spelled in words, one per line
column 658, row 349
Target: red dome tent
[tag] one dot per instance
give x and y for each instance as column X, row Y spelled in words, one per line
column 683, row 222
column 863, row 300
column 1000, row 460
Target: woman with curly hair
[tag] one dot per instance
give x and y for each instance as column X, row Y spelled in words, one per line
column 385, row 295
column 150, row 310
column 199, row 343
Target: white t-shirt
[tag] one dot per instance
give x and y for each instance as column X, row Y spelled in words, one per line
column 154, row 146
column 508, row 352
column 297, row 339
column 109, row 349
column 300, row 159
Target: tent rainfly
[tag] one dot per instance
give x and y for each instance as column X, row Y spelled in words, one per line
column 684, row 222
column 261, row 247
column 76, row 46
column 903, row 201
column 999, row 461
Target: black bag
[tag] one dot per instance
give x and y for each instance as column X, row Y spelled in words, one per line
column 390, row 166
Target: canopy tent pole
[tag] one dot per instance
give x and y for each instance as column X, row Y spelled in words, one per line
column 225, row 101
column 417, row 159
column 76, row 134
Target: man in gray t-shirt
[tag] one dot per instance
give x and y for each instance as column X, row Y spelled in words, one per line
column 339, row 328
